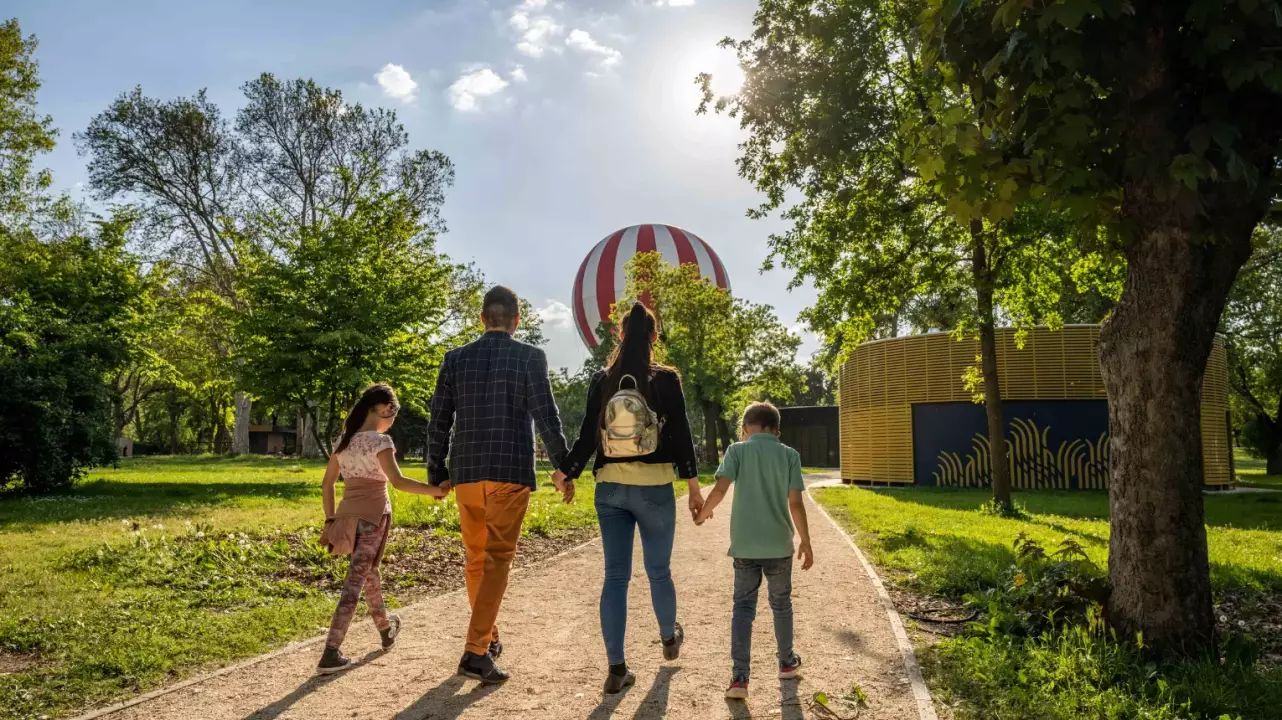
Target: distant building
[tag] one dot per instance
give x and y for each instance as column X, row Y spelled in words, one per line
column 272, row 439
column 814, row 432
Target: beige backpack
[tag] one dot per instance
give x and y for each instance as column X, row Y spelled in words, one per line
column 631, row 429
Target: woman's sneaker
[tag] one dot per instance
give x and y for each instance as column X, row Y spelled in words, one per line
column 672, row 645
column 790, row 669
column 615, row 683
column 738, row 689
column 481, row 667
column 333, row 662
column 393, row 629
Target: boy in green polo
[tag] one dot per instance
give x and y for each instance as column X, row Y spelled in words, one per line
column 767, row 502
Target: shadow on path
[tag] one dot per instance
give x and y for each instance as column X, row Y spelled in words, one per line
column 609, row 703
column 444, row 702
column 789, row 702
column 655, row 702
column 309, row 686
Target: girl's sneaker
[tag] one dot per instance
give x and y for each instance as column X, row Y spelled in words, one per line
column 738, row 689
column 393, row 629
column 333, row 662
column 789, row 669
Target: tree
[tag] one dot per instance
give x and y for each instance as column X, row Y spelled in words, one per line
column 1253, row 323
column 24, row 132
column 726, row 349
column 64, row 307
column 344, row 303
column 209, row 191
column 840, row 106
column 1152, row 124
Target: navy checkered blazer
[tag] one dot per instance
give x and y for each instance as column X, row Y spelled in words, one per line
column 492, row 392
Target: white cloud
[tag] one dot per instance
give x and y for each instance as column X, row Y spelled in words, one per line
column 536, row 32
column 472, row 86
column 556, row 314
column 673, row 3
column 396, row 82
column 518, row 74
column 580, row 40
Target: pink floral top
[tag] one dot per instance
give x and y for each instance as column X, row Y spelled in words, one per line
column 365, row 494
column 360, row 458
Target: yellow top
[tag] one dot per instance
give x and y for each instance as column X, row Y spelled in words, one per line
column 637, row 473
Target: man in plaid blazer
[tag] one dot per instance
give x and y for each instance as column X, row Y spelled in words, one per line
column 490, row 393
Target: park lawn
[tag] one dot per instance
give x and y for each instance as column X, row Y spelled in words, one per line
column 935, row 542
column 163, row 567
column 1250, row 472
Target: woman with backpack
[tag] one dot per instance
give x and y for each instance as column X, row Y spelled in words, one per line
column 636, row 426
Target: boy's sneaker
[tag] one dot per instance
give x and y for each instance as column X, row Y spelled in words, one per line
column 393, row 629
column 738, row 689
column 332, row 662
column 789, row 669
column 481, row 667
column 672, row 645
column 617, row 683
column 496, row 649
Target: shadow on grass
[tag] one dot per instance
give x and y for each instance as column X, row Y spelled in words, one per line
column 1262, row 511
column 111, row 499
column 444, row 702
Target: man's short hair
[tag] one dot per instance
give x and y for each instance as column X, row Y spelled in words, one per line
column 500, row 307
column 763, row 415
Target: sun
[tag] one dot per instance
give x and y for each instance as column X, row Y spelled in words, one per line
column 727, row 76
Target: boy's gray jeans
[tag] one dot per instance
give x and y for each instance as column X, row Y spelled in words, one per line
column 747, row 580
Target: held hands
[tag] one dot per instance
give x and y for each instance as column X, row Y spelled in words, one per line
column 696, row 506
column 563, row 485
column 805, row 555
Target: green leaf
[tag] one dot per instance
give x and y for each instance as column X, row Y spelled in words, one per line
column 1200, row 138
column 821, row 698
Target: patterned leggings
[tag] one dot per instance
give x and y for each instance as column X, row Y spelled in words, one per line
column 362, row 572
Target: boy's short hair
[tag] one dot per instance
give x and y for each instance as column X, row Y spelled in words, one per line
column 500, row 307
column 762, row 414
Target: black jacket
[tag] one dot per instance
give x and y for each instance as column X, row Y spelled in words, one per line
column 676, row 446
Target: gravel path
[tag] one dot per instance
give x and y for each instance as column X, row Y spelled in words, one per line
column 554, row 650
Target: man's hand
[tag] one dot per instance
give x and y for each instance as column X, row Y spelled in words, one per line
column 805, row 555
column 563, row 485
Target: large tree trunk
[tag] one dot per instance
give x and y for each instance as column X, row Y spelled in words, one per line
column 983, row 276
column 308, row 446
column 1153, row 353
column 240, row 438
column 709, row 430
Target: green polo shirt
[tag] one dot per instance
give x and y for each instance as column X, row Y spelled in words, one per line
column 763, row 470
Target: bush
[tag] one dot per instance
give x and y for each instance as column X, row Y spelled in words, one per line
column 63, row 306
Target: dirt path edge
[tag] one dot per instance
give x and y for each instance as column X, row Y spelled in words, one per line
column 925, row 706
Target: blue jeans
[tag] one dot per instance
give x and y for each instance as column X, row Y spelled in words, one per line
column 747, row 579
column 621, row 510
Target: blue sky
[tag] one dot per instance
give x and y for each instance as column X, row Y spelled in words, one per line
column 565, row 120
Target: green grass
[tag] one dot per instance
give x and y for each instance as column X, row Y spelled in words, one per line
column 933, row 541
column 166, row 566
column 1250, row 472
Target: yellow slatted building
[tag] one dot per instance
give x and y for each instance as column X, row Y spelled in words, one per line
column 907, row 418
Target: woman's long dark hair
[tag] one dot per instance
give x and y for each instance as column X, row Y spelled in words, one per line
column 632, row 355
column 374, row 395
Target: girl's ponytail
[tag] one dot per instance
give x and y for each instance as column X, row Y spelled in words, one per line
column 374, row 395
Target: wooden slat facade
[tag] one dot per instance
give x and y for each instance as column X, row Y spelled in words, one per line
column 883, row 379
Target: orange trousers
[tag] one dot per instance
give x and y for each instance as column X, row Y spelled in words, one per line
column 490, row 516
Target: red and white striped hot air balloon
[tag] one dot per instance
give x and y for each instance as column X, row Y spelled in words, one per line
column 601, row 281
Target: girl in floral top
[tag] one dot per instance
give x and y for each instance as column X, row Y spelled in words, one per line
column 366, row 458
